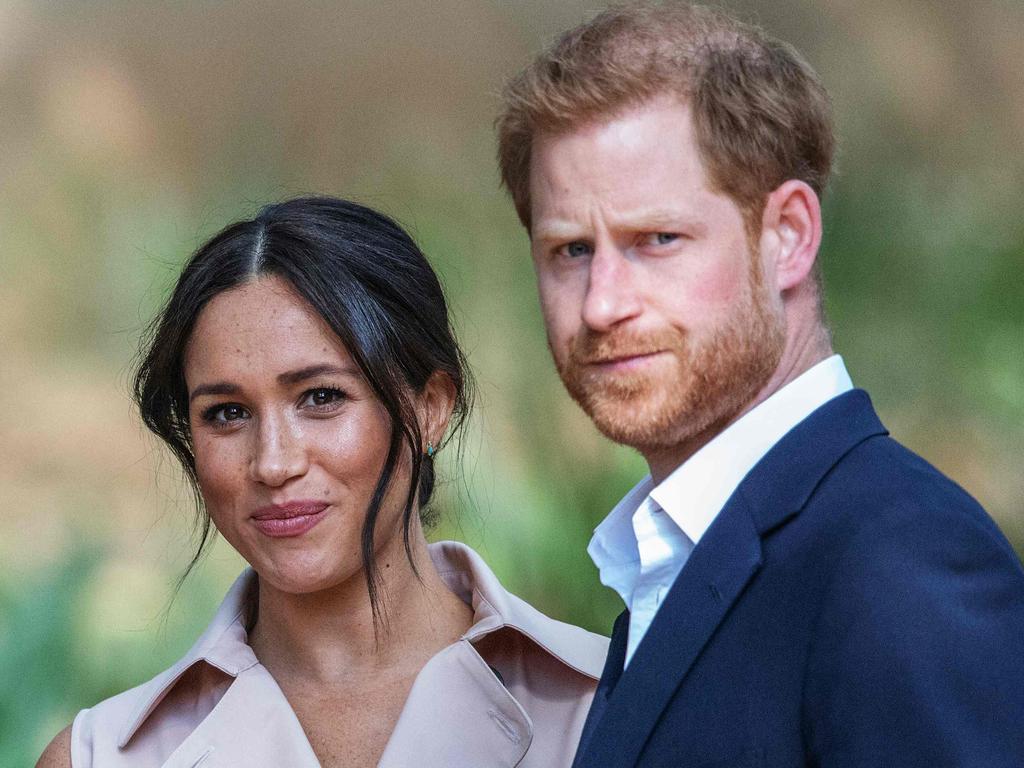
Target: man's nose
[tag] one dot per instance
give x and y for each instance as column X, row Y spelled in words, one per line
column 279, row 453
column 612, row 295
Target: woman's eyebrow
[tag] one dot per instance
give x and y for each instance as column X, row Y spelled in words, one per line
column 311, row 371
column 288, row 377
column 220, row 388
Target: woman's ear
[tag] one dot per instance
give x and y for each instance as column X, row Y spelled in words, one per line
column 434, row 408
column 791, row 233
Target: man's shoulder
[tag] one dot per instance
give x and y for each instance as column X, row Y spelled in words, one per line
column 879, row 507
column 838, row 473
column 881, row 482
column 883, row 513
column 917, row 606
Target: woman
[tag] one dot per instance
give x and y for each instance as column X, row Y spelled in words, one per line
column 304, row 372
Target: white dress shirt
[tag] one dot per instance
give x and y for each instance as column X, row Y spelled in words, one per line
column 643, row 544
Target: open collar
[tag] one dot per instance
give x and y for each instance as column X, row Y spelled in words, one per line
column 698, row 489
column 694, row 493
column 469, row 577
column 629, row 704
column 224, row 643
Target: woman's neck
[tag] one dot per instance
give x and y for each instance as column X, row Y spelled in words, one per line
column 329, row 636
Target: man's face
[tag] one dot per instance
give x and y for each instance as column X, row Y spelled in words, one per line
column 657, row 312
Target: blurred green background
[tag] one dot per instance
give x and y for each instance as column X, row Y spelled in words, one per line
column 130, row 131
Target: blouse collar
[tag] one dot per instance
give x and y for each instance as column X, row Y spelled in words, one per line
column 224, row 642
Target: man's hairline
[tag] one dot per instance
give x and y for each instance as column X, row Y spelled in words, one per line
column 599, row 117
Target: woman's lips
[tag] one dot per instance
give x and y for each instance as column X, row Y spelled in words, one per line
column 291, row 519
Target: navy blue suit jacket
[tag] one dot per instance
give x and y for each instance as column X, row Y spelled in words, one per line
column 849, row 607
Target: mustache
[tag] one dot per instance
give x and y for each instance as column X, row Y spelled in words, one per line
column 589, row 348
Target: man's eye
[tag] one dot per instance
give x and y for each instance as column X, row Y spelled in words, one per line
column 322, row 396
column 576, row 249
column 661, row 238
column 222, row 414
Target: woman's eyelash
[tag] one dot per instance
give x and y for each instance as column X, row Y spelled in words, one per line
column 315, row 397
column 331, row 395
column 211, row 413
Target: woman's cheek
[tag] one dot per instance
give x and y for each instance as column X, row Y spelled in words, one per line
column 221, row 472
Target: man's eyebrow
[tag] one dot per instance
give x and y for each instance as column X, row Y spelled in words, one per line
column 651, row 220
column 556, row 230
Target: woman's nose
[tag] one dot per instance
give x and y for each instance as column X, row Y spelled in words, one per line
column 278, row 454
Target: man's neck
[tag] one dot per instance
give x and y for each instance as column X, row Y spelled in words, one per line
column 801, row 354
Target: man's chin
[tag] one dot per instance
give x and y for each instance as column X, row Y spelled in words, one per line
column 655, row 426
column 635, row 424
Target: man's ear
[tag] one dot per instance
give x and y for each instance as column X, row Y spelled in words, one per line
column 791, row 233
column 434, row 408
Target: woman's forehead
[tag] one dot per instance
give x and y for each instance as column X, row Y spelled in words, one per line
column 261, row 327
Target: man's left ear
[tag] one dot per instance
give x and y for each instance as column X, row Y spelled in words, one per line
column 791, row 232
column 434, row 408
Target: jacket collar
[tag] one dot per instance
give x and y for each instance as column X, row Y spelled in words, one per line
column 224, row 642
column 780, row 485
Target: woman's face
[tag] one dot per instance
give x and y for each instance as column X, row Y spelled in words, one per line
column 289, row 439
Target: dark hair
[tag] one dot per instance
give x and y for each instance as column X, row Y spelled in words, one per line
column 367, row 279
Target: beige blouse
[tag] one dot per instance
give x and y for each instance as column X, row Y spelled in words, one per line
column 520, row 702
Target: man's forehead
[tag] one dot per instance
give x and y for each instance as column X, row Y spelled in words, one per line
column 562, row 225
column 656, row 137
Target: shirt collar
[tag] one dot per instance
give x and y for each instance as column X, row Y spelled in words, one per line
column 696, row 491
column 224, row 642
column 613, row 546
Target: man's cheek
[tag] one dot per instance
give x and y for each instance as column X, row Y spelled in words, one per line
column 556, row 314
column 720, row 284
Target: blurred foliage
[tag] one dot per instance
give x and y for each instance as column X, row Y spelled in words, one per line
column 132, row 131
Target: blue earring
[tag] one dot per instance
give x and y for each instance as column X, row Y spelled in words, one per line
column 430, row 450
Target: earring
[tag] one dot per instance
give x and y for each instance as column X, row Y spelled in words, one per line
column 430, row 450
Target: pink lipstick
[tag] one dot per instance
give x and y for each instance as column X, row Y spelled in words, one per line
column 293, row 518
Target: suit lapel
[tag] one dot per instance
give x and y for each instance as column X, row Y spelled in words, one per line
column 714, row 577
column 609, row 679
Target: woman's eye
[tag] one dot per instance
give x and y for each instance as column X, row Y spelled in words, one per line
column 321, row 397
column 575, row 249
column 224, row 414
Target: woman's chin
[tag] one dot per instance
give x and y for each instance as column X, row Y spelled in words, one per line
column 303, row 576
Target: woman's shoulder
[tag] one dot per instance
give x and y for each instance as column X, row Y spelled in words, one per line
column 90, row 729
column 58, row 752
column 102, row 729
column 178, row 697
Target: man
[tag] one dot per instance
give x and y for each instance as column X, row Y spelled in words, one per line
column 800, row 589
